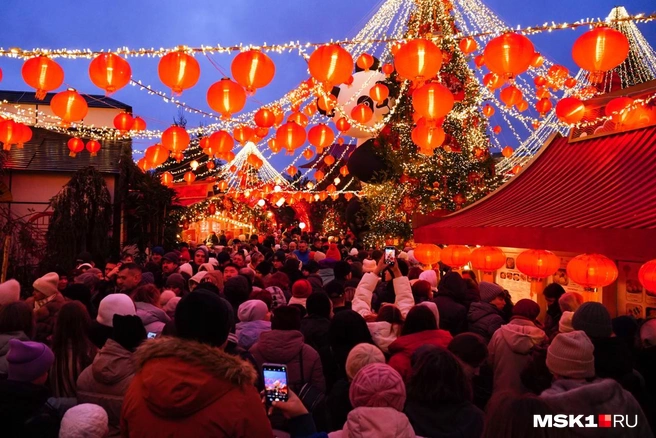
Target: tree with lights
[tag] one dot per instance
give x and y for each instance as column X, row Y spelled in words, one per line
column 414, row 179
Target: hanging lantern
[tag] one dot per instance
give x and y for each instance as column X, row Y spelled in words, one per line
column 178, row 71
column 488, row 110
column 516, row 169
column 156, row 155
column 252, row 69
column 243, row 133
column 432, row 101
column 274, row 146
column 175, row 139
column 42, row 74
column 511, row 96
column 522, row 106
column 427, row 253
column 223, row 186
column 264, row 118
column 300, row 118
column 291, row 171
column 210, row 164
column 365, row 61
column 427, row 137
column 537, row 60
column 600, row 50
column 290, row 136
column 308, row 154
column 222, row 142
column 143, row 165
column 479, row 61
column 331, row 65
column 497, row 129
column 8, row 133
column 647, row 275
column 344, row 171
column 329, row 160
column 69, row 106
column 260, row 133
column 24, row 134
column 619, row 110
column 204, row 143
column 540, row 81
column 229, row 156
column 177, row 156
column 543, row 106
column 592, row 270
column 123, row 122
column 166, row 179
column 509, row 55
column 468, row 45
column 319, row 175
column 507, row 152
column 310, row 109
column 493, row 81
column 189, row 177
column 321, row 136
column 75, row 145
column 109, row 72
column 93, row 146
column 388, row 69
column 379, row 93
column 537, row 263
column 326, row 103
column 418, row 60
column 570, row 110
column 226, row 97
column 342, row 124
column 570, row 82
column 455, row 256
column 487, row 258
column 362, row 113
column 138, row 124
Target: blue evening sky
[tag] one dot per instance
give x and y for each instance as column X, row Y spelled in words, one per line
column 158, row 23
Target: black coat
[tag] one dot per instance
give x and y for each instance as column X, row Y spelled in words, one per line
column 484, row 319
column 315, row 331
column 24, row 411
column 338, row 404
column 445, row 420
column 453, row 315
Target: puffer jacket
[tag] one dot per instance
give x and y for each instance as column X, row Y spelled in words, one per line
column 484, row 319
column 404, row 346
column 4, row 348
column 382, row 332
column 365, row 422
column 106, row 381
column 445, row 420
column 509, row 353
column 46, row 316
column 287, row 347
column 186, row 389
column 249, row 332
column 154, row 319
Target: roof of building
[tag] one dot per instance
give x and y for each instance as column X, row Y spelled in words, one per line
column 93, row 100
column 597, row 195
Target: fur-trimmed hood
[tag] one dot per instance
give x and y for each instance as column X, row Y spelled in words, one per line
column 180, row 377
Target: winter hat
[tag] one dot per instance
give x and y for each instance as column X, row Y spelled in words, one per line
column 165, row 297
column 47, row 284
column 433, row 308
column 206, row 267
column 171, row 305
column 489, row 291
column 158, row 250
column 202, row 248
column 198, row 277
column 594, row 319
column 172, row 257
column 378, row 386
column 368, row 265
column 469, row 348
column 27, row 361
column 237, row 290
column 570, row 301
column 402, row 255
column 318, row 256
column 333, row 252
column 114, row 304
column 565, row 323
column 9, row 292
column 84, row 421
column 89, row 279
column 147, row 278
column 204, row 317
column 571, row 355
column 252, row 310
column 186, row 268
column 214, row 262
column 648, row 333
column 429, row 276
column 360, row 356
column 301, row 289
column 175, row 281
column 526, row 308
column 353, row 252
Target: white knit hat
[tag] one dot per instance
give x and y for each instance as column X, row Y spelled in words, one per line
column 9, row 292
column 565, row 323
column 84, row 421
column 47, row 284
column 360, row 356
column 114, row 304
column 186, row 269
column 571, row 355
column 165, row 297
column 368, row 265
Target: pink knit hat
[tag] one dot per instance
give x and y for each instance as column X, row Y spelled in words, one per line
column 378, row 386
column 9, row 292
column 571, row 355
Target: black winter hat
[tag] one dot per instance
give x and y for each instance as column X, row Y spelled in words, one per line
column 204, row 317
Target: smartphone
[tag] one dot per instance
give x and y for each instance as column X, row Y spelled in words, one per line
column 152, row 335
column 275, row 382
column 390, row 255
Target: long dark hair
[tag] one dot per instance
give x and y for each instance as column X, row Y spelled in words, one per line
column 72, row 347
column 419, row 319
column 437, row 377
column 17, row 317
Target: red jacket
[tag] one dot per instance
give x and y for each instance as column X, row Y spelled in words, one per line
column 404, row 346
column 184, row 388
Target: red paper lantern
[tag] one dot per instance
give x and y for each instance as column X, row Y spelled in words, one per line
column 221, row 141
column 226, row 97
column 166, row 178
column 507, row 152
column 290, row 136
column 379, row 93
column 427, row 137
column 618, row 110
column 543, row 106
column 592, row 270
column 427, row 253
column 138, row 124
column 493, row 81
column 522, row 106
column 388, row 69
column 344, row 171
column 156, row 155
column 252, row 69
column 175, row 139
column 69, row 106
column 537, row 60
column 647, row 275
column 123, row 122
column 321, row 136
column 93, row 146
column 488, row 110
column 264, row 118
column 8, row 133
column 468, row 45
column 75, row 145
column 479, row 61
column 142, row 164
column 308, row 154
column 178, row 71
column 243, row 133
column 42, row 74
column 329, row 160
column 291, row 170
column 537, row 263
column 418, row 60
column 189, row 177
column 362, row 113
column 319, row 175
column 509, row 55
column 600, row 50
column 487, row 258
column 570, row 110
column 299, row 118
column 511, row 96
column 274, row 146
column 365, row 61
column 455, row 256
column 432, row 101
column 342, row 124
column 109, row 72
column 331, row 64
column 24, row 134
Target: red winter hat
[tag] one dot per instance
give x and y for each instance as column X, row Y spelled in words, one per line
column 333, row 252
column 526, row 308
column 301, row 289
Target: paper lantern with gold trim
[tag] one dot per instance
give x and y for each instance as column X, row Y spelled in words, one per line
column 537, row 263
column 418, row 60
column 123, row 122
column 252, row 69
column 592, row 270
column 109, row 72
column 600, row 50
column 455, row 256
column 178, row 71
column 432, row 101
column 290, row 136
column 75, row 146
column 487, row 258
column 43, row 74
column 331, row 64
column 647, row 275
column 321, row 136
column 509, row 54
column 226, row 97
column 93, row 146
column 427, row 253
column 69, row 106
column 175, row 138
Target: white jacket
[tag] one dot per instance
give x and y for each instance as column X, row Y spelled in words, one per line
column 382, row 332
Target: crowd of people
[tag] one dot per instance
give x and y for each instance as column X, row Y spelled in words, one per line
column 173, row 345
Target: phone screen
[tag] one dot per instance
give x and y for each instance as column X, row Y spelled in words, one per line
column 390, row 253
column 275, row 382
column 152, row 335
